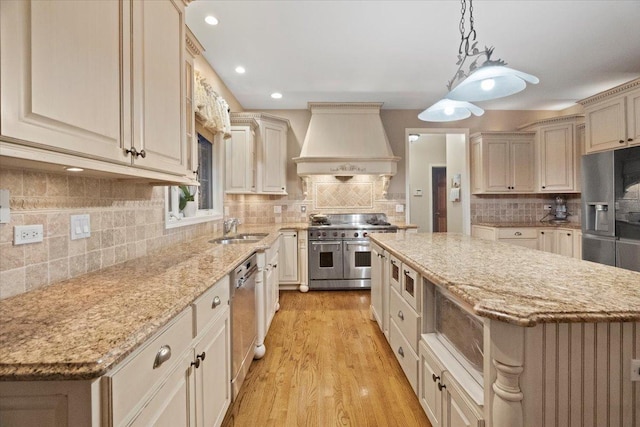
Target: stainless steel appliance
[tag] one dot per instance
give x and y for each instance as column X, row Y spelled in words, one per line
column 339, row 249
column 611, row 208
column 243, row 320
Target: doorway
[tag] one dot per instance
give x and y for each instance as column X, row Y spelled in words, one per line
column 439, row 199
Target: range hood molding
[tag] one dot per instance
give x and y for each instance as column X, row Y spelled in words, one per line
column 346, row 139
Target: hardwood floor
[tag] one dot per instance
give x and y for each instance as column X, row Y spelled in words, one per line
column 327, row 364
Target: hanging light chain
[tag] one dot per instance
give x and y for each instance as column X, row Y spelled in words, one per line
column 468, row 49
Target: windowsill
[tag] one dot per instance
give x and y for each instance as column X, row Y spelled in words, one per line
column 198, row 219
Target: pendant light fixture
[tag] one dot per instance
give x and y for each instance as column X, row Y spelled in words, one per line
column 491, row 80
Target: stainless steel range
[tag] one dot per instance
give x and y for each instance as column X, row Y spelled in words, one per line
column 339, row 249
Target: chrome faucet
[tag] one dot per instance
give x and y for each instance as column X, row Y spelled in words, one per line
column 230, row 226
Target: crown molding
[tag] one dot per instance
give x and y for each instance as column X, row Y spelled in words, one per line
column 246, row 117
column 193, row 45
column 553, row 121
column 344, row 105
column 509, row 134
column 633, row 84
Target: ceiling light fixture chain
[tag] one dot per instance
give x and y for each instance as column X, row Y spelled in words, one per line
column 470, row 48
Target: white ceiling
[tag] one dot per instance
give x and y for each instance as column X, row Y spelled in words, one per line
column 403, row 53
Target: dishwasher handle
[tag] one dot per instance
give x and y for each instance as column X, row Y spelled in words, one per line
column 245, row 277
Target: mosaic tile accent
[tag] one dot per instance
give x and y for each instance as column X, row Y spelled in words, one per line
column 357, row 195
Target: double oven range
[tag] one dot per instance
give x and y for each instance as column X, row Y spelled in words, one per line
column 340, row 251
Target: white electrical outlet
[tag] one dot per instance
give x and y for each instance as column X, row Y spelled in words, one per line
column 303, row 208
column 635, row 369
column 277, row 209
column 23, row 234
column 399, row 208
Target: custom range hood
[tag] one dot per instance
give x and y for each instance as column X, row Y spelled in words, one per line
column 346, row 139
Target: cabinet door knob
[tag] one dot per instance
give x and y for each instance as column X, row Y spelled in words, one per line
column 441, row 386
column 544, row 187
column 201, row 356
column 568, row 234
column 163, row 354
column 434, row 377
column 401, row 351
column 629, row 139
column 196, row 363
column 216, row 302
column 406, row 272
column 401, row 315
column 142, row 154
column 132, row 151
column 621, row 141
column 542, row 232
column 517, row 233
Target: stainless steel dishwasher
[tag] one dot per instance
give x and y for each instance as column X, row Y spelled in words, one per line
column 243, row 320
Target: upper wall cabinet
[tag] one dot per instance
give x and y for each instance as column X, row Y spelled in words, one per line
column 558, row 152
column 257, row 154
column 613, row 118
column 95, row 84
column 501, row 162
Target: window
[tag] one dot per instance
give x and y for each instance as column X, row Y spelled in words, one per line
column 208, row 196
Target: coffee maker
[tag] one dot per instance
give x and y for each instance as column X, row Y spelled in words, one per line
column 560, row 214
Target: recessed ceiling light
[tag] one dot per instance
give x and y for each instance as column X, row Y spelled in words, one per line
column 73, row 169
column 211, row 20
column 240, row 69
column 276, row 95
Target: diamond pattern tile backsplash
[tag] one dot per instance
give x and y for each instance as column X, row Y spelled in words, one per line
column 357, row 195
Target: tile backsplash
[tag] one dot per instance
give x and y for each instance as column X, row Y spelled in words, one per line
column 519, row 208
column 127, row 221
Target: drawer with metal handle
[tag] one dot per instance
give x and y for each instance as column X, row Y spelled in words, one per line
column 211, row 304
column 405, row 317
column 517, row 233
column 142, row 372
column 407, row 358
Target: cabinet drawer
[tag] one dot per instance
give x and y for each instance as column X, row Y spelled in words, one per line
column 210, row 305
column 395, row 273
column 411, row 289
column 136, row 377
column 406, row 318
column 405, row 354
column 517, row 233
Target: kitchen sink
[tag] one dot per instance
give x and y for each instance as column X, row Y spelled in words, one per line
column 240, row 238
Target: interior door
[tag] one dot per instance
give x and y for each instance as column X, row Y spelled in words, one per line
column 439, row 198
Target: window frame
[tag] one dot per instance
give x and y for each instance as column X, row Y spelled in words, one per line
column 173, row 218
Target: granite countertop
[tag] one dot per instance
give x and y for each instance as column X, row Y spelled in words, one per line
column 80, row 328
column 519, row 285
column 538, row 224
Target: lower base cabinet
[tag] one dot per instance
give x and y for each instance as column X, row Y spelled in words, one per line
column 441, row 396
column 180, row 377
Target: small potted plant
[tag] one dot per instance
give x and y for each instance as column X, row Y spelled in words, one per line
column 187, row 202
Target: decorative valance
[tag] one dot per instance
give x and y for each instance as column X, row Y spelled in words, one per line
column 211, row 108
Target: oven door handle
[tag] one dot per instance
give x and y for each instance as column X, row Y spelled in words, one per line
column 315, row 244
column 347, row 244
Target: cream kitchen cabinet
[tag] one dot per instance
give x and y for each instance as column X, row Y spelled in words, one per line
column 380, row 287
column 405, row 319
column 547, row 240
column 564, row 242
column 104, row 94
column 193, row 48
column 521, row 236
column 502, row 162
column 272, row 290
column 259, row 163
column 613, row 118
column 288, row 267
column 240, row 159
column 444, row 401
column 557, row 154
column 577, row 244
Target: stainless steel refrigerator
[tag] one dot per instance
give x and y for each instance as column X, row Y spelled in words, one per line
column 610, row 193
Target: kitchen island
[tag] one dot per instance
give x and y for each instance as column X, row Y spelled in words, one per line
column 557, row 336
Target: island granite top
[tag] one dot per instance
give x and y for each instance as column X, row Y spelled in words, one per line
column 519, row 285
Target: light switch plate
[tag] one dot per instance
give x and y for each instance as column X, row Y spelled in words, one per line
column 80, row 226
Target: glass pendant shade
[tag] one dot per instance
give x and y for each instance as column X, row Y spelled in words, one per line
column 491, row 82
column 447, row 110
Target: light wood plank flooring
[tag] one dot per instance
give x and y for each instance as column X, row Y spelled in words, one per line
column 327, row 364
